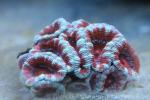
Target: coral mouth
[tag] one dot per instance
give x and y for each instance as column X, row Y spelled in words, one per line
column 44, row 68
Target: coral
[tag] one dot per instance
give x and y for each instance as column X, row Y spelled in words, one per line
column 66, row 54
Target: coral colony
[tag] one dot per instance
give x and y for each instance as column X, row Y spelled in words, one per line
column 77, row 54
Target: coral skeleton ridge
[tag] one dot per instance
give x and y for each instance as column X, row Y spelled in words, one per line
column 66, row 55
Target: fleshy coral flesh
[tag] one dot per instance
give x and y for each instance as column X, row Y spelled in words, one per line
column 67, row 53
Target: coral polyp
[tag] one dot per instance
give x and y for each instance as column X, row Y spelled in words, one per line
column 64, row 54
